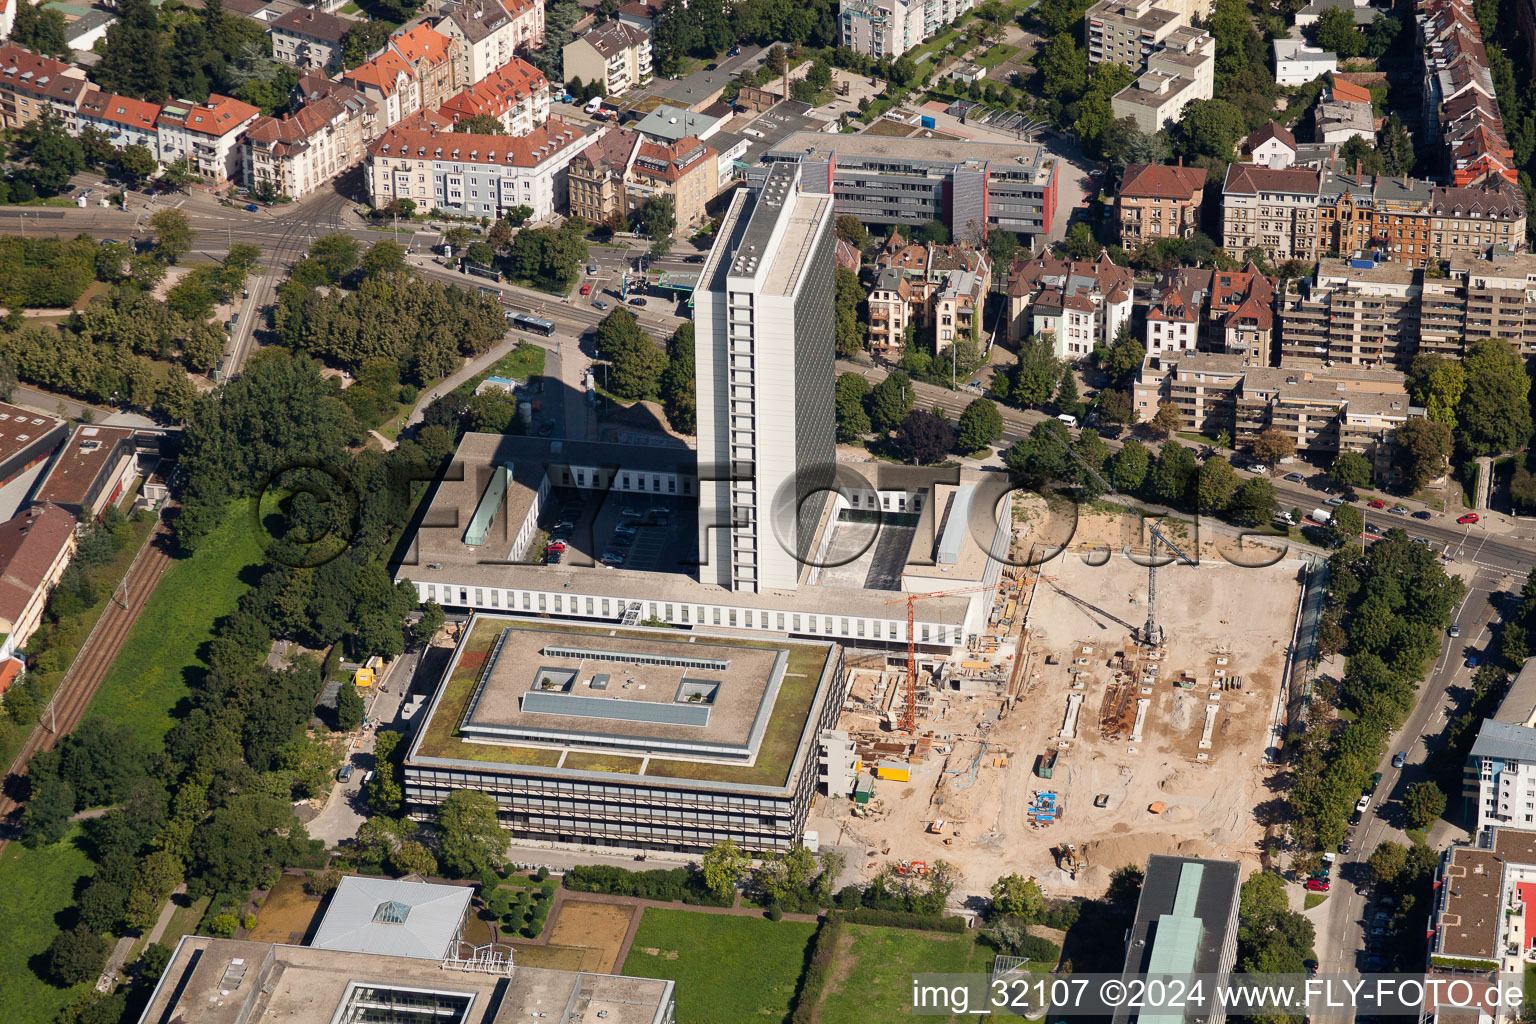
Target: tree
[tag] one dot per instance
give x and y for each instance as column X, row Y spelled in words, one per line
column 178, row 174
column 382, row 257
column 636, row 362
column 1017, row 896
column 678, row 390
column 1350, row 469
column 136, row 162
column 1423, row 804
column 1209, row 129
column 77, row 955
column 1173, row 475
column 1387, row 861
column 981, row 426
column 349, row 707
column 1167, row 419
column 890, row 401
column 334, row 255
column 1346, row 524
column 1437, row 383
column 413, row 858
column 850, row 331
column 851, row 230
column 724, row 864
column 1494, row 414
column 924, row 437
column 41, row 30
column 362, row 40
column 479, row 124
column 471, row 838
column 1395, row 144
column 426, row 627
column 1002, row 246
column 1335, row 32
column 657, row 217
column 1128, row 467
column 777, row 61
column 1273, row 446
column 45, row 817
column 1066, row 393
column 819, row 75
column 1041, row 456
column 1063, row 67
column 849, row 397
column 134, row 59
column 1216, row 485
column 173, row 235
column 1420, row 450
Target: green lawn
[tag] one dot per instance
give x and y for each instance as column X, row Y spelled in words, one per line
column 1314, row 899
column 35, row 885
column 992, row 56
column 728, row 969
column 523, row 362
column 149, row 676
column 876, row 966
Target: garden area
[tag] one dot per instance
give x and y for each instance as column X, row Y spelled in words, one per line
column 37, row 888
column 875, row 965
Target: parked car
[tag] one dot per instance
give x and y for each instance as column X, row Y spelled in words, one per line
column 586, row 289
column 1470, row 517
column 1422, row 514
column 1373, row 529
column 1317, row 885
column 1296, row 478
column 612, row 558
column 1344, row 846
column 632, row 513
column 555, row 545
column 1399, row 759
column 553, row 557
column 1398, row 510
column 368, row 776
column 591, row 268
column 1375, row 781
column 345, row 775
column 1376, row 503
column 637, row 301
column 1472, row 661
column 693, row 259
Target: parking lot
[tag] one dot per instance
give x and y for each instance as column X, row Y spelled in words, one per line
column 650, row 533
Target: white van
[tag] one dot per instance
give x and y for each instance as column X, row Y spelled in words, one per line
column 1069, row 420
column 594, row 105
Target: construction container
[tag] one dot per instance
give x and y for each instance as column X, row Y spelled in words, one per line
column 893, row 771
column 1045, row 767
column 1157, row 807
column 863, row 789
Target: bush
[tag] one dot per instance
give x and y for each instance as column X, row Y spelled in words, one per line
column 902, row 919
column 542, row 873
column 1038, row 949
column 250, row 921
column 775, row 913
column 818, row 969
column 664, row 885
column 222, row 926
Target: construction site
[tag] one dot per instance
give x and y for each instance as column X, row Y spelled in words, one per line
column 1067, row 742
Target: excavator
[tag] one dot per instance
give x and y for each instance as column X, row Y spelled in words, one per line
column 1068, row 859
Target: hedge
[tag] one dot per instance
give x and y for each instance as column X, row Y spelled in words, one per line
column 1039, row 950
column 1464, row 963
column 902, row 919
column 665, row 885
column 818, row 970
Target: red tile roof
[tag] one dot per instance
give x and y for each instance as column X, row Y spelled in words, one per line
column 422, row 44
column 218, row 117
column 1349, row 92
column 129, row 113
column 516, row 151
column 670, row 162
column 29, row 545
column 499, row 92
column 382, row 72
column 1157, row 181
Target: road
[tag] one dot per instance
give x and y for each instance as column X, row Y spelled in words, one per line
column 1342, row 920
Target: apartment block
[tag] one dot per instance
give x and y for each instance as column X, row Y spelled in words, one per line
column 125, row 122
column 1492, row 297
column 1156, row 201
column 310, row 39
column 474, row 175
column 1127, row 31
column 596, row 177
column 946, row 286
column 434, row 62
column 1460, row 102
column 684, row 170
column 1500, row 774
column 207, row 135
column 615, row 53
column 517, row 95
column 1272, row 209
column 297, row 154
column 1353, row 312
column 390, row 83
column 1075, row 304
column 1218, row 311
column 1180, row 70
column 881, row 28
column 891, row 311
column 31, row 84
column 971, row 187
column 488, row 34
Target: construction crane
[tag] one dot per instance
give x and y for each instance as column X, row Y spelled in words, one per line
column 909, row 716
column 1152, row 633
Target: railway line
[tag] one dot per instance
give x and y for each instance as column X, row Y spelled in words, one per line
column 90, row 666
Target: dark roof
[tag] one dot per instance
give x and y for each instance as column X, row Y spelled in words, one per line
column 306, row 21
column 89, row 451
column 1252, row 178
column 29, row 545
column 1271, row 130
column 1212, row 900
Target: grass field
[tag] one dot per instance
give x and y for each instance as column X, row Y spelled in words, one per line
column 523, row 362
column 728, row 969
column 872, row 979
column 35, row 885
column 151, row 673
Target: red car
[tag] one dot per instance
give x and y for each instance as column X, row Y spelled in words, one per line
column 586, row 289
column 1470, row 517
column 1316, row 885
column 555, row 545
column 1376, row 503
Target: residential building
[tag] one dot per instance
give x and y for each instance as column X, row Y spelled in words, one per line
column 1470, row 220
column 125, row 122
column 640, row 13
column 236, row 981
column 1296, row 63
column 1480, row 915
column 35, row 548
column 1481, row 297
column 768, row 305
column 1460, row 102
column 881, row 28
column 1322, row 410
column 684, row 170
column 1127, row 31
column 474, row 175
column 1272, row 147
column 667, row 124
column 596, row 176
column 388, row 82
column 434, row 62
column 957, row 306
column 971, row 187
column 1360, row 10
column 1156, row 201
column 31, row 84
column 946, row 285
column 7, row 24
column 487, row 35
column 206, row 135
column 1174, row 317
column 297, row 154
column 1076, row 304
column 891, row 312
column 615, row 53
column 1272, row 209
column 1179, row 70
column 1240, row 313
column 1353, row 312
column 517, row 95
column 1185, row 924
column 309, row 39
column 1343, row 112
column 1499, row 774
column 26, row 438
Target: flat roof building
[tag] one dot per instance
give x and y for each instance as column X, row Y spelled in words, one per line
column 645, row 738
column 394, row 918
column 26, row 438
column 234, row 981
column 92, row 469
column 36, row 546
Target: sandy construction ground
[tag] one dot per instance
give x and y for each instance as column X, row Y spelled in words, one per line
column 1198, row 750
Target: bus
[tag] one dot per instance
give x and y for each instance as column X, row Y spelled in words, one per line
column 524, row 322
column 479, row 270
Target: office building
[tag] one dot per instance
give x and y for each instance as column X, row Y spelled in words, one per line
column 615, row 53
column 763, row 321
column 1352, row 313
column 650, row 739
column 971, row 187
column 94, row 467
column 475, row 175
column 26, row 438
column 1186, row 923
column 236, row 981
